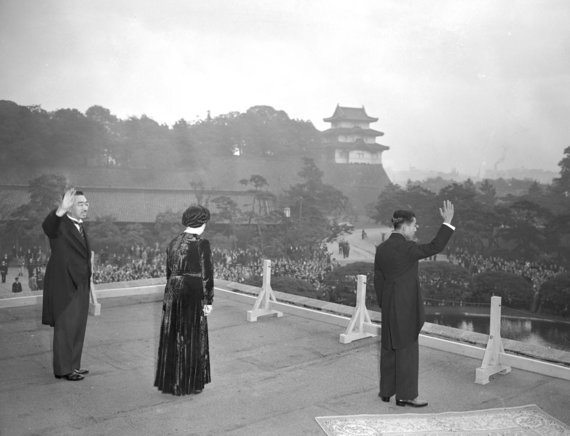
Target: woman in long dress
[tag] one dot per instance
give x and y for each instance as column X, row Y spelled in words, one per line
column 183, row 353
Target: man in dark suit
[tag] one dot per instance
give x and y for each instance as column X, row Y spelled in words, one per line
column 397, row 288
column 67, row 284
column 16, row 286
column 4, row 270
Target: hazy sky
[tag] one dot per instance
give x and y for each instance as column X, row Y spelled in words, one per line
column 455, row 84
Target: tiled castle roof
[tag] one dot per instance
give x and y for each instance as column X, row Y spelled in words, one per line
column 350, row 113
column 351, row 131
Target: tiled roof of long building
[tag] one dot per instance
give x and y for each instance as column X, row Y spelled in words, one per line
column 132, row 205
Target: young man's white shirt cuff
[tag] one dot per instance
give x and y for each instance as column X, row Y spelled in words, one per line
column 450, row 226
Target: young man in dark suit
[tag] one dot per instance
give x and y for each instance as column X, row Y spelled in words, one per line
column 67, row 284
column 397, row 288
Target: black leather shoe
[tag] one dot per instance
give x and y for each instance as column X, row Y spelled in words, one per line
column 385, row 399
column 71, row 377
column 413, row 403
column 81, row 371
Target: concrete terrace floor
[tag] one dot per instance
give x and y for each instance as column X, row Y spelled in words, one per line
column 272, row 377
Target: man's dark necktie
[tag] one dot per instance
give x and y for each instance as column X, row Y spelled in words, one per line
column 81, row 230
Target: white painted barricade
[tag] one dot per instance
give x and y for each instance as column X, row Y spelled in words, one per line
column 265, row 297
column 495, row 352
column 360, row 325
column 94, row 305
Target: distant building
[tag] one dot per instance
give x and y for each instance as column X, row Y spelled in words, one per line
column 351, row 137
column 352, row 159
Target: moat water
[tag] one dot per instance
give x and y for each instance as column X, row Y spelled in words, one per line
column 553, row 334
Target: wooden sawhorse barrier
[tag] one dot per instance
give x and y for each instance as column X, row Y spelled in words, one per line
column 493, row 353
column 360, row 325
column 94, row 305
column 261, row 306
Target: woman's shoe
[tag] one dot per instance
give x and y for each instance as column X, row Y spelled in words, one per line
column 385, row 399
column 71, row 377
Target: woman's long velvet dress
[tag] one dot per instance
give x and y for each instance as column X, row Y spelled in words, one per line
column 183, row 353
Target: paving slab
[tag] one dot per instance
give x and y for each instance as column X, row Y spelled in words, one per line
column 272, row 377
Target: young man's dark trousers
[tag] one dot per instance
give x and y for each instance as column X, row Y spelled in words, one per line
column 399, row 372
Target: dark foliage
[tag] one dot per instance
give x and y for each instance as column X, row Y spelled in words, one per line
column 99, row 138
column 555, row 296
column 341, row 283
column 515, row 291
column 533, row 226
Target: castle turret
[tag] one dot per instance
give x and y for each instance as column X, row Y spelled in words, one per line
column 351, row 137
column 353, row 157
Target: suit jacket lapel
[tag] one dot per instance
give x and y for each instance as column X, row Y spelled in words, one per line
column 75, row 233
column 86, row 241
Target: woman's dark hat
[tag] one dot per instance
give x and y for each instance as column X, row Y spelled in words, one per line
column 195, row 216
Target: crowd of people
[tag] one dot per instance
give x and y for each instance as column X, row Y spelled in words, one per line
column 136, row 263
column 304, row 263
column 246, row 265
column 143, row 262
column 535, row 272
column 237, row 265
column 29, row 261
